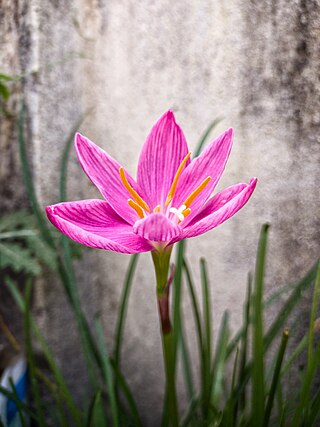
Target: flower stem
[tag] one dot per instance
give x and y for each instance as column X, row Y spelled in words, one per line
column 161, row 261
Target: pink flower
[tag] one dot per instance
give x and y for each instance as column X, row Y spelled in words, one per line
column 169, row 201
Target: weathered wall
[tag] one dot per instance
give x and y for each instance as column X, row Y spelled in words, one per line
column 256, row 64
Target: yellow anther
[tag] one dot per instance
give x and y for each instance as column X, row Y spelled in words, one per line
column 175, row 180
column 157, row 209
column 186, row 212
column 136, row 207
column 196, row 192
column 133, row 193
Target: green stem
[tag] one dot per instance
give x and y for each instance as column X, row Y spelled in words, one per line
column 161, row 261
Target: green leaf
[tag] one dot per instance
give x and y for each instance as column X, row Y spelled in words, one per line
column 275, row 378
column 287, row 308
column 218, row 368
column 245, row 344
column 258, row 394
column 123, row 307
column 94, row 407
column 18, row 258
column 304, row 395
column 207, row 336
column 195, row 307
column 4, row 91
column 313, row 312
column 65, row 158
column 206, row 135
column 123, row 386
column 43, row 252
column 15, row 220
column 107, row 373
column 30, row 357
column 8, row 78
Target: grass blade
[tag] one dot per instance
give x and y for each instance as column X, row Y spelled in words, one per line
column 65, row 158
column 123, row 386
column 186, row 365
column 206, row 135
column 314, row 306
column 217, row 372
column 305, row 389
column 244, row 343
column 93, row 407
column 207, row 334
column 108, row 374
column 177, row 297
column 290, row 304
column 19, row 407
column 27, row 177
column 123, row 307
column 276, row 377
column 30, row 357
column 257, row 333
column 195, row 306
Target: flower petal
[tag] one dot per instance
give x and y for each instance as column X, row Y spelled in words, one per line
column 103, row 171
column 157, row 228
column 220, row 208
column 94, row 223
column 211, row 163
column 160, row 158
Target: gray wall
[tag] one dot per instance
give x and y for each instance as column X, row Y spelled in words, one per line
column 121, row 64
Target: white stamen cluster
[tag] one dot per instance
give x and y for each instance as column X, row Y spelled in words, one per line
column 178, row 212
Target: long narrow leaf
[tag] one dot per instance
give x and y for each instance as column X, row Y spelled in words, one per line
column 306, row 388
column 108, row 374
column 207, row 336
column 206, row 135
column 258, row 394
column 177, row 296
column 27, row 176
column 94, row 404
column 313, row 312
column 124, row 299
column 278, row 324
column 119, row 378
column 218, row 368
column 276, row 377
column 65, row 158
column 30, row 357
column 195, row 306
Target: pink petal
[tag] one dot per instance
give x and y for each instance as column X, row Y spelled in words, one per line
column 103, row 171
column 157, row 227
column 211, row 163
column 215, row 203
column 94, row 223
column 161, row 155
column 217, row 211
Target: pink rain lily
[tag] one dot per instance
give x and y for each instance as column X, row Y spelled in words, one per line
column 169, row 201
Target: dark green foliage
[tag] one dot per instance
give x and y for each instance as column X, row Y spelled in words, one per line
column 21, row 247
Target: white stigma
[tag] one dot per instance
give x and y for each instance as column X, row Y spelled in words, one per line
column 178, row 212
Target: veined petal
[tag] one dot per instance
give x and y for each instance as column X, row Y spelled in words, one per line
column 215, row 203
column 157, row 228
column 211, row 163
column 220, row 208
column 103, row 171
column 94, row 223
column 160, row 158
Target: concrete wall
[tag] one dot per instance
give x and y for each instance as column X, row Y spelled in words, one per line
column 256, row 64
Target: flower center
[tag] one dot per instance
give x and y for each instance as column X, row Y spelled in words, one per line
column 141, row 207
